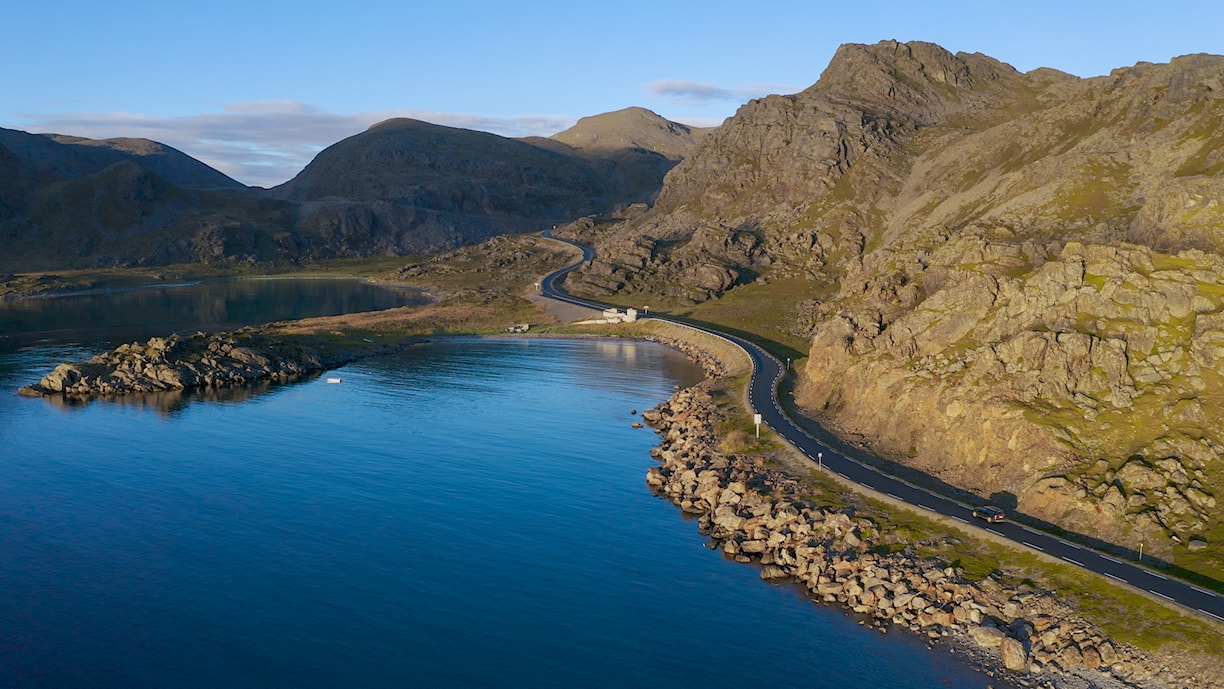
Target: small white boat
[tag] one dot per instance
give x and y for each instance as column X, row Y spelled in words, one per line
column 335, row 380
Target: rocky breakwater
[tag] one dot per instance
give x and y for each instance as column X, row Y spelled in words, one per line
column 181, row 362
column 712, row 365
column 756, row 514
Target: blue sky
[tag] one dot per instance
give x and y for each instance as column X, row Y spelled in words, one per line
column 256, row 88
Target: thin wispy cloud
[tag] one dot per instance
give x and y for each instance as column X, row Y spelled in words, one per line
column 268, row 142
column 698, row 93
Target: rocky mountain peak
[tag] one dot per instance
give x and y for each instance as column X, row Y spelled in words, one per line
column 917, row 80
column 1187, row 78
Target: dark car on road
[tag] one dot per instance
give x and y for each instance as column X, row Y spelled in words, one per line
column 990, row 513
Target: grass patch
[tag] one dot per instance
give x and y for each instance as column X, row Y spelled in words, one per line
column 764, row 313
column 1095, row 193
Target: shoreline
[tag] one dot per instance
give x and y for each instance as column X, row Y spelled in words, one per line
column 250, row 355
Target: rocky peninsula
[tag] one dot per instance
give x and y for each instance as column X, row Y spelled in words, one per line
column 199, row 361
column 757, row 514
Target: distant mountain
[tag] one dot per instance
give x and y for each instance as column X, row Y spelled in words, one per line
column 72, row 202
column 410, row 186
column 633, row 128
column 59, row 156
column 403, row 186
column 633, row 149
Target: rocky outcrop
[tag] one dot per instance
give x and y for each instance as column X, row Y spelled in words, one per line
column 1076, row 387
column 181, row 362
column 758, row 515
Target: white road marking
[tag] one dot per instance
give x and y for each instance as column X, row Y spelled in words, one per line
column 1073, row 561
column 928, row 509
column 1034, row 547
column 995, row 533
column 1158, row 593
column 1159, row 575
column 895, row 497
column 1113, row 577
column 1210, row 614
column 960, row 520
column 1113, row 559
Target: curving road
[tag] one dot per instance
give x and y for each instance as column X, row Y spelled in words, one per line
column 763, row 397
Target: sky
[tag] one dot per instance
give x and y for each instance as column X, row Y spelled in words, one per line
column 257, row 88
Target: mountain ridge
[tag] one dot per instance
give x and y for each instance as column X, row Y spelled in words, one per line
column 75, row 157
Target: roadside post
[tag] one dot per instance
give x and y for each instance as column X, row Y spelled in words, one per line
column 756, row 418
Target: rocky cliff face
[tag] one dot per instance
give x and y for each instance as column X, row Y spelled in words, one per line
column 1085, row 389
column 1014, row 277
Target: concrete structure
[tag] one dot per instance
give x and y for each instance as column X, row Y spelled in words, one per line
column 612, row 315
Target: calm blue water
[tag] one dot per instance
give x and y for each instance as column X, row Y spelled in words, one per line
column 464, row 514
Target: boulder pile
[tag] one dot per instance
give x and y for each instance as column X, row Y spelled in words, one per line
column 709, row 363
column 757, row 514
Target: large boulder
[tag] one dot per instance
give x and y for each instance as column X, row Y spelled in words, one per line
column 1014, row 655
column 987, row 636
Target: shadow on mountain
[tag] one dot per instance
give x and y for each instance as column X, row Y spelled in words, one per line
column 1006, row 500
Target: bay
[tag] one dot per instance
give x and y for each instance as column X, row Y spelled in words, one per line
column 468, row 513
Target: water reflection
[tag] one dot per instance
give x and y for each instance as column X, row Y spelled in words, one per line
column 462, row 362
column 171, row 402
column 115, row 317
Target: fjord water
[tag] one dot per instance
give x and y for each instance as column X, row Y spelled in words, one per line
column 119, row 316
column 467, row 513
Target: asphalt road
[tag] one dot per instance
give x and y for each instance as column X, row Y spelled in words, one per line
column 763, row 396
